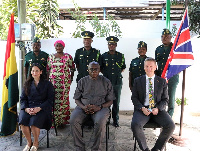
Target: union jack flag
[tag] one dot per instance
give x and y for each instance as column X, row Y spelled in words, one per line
column 181, row 55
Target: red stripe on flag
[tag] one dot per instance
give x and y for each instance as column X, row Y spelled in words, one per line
column 183, row 56
column 10, row 39
column 185, row 36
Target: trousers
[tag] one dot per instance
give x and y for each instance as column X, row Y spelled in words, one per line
column 100, row 118
column 162, row 118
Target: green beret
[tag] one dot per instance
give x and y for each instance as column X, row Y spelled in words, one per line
column 87, row 34
column 112, row 39
column 36, row 40
column 166, row 31
column 142, row 44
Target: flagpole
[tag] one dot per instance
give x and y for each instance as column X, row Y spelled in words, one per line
column 183, row 92
column 182, row 103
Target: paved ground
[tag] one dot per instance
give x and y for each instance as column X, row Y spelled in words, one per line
column 120, row 138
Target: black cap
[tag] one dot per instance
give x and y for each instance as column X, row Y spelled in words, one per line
column 166, row 32
column 87, row 34
column 142, row 44
column 112, row 39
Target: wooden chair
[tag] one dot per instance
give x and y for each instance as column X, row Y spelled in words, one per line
column 88, row 122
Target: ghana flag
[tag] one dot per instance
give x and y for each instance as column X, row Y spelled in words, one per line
column 10, row 92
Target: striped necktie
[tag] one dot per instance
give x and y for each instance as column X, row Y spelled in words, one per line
column 151, row 95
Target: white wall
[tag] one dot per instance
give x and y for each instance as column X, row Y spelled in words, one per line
column 128, row 46
column 133, row 32
column 129, row 28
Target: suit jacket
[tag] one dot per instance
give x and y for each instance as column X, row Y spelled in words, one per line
column 160, row 92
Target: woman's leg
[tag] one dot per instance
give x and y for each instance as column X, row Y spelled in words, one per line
column 27, row 132
column 36, row 133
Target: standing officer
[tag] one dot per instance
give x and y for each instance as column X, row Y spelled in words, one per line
column 113, row 64
column 85, row 55
column 35, row 56
column 137, row 65
column 161, row 55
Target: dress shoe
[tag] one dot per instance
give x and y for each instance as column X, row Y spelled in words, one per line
column 33, row 148
column 115, row 124
column 27, row 148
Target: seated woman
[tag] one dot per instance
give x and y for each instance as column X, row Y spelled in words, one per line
column 36, row 106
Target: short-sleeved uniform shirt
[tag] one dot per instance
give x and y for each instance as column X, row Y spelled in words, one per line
column 112, row 66
column 137, row 68
column 95, row 92
column 31, row 58
column 82, row 58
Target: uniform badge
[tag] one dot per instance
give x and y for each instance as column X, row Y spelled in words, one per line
column 135, row 64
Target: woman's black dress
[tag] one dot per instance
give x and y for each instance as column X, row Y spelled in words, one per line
column 40, row 96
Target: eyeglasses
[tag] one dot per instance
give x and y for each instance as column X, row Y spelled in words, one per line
column 94, row 69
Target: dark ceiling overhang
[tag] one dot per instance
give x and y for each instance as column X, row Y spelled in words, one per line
column 151, row 12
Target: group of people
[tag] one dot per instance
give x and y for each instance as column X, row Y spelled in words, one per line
column 48, row 80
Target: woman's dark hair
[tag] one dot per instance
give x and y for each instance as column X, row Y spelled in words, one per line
column 28, row 82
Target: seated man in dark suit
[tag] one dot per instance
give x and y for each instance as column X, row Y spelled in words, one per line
column 93, row 96
column 150, row 98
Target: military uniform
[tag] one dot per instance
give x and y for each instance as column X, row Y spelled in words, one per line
column 31, row 58
column 111, row 67
column 137, row 68
column 161, row 56
column 137, row 64
column 83, row 57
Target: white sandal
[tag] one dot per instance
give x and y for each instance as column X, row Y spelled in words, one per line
column 33, row 148
column 27, row 148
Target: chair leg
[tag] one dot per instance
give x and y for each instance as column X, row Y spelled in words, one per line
column 55, row 126
column 82, row 130
column 47, row 138
column 107, row 137
column 108, row 131
column 135, row 145
column 134, row 149
column 20, row 141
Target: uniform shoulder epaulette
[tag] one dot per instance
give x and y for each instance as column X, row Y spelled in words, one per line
column 28, row 53
column 96, row 49
column 105, row 53
column 80, row 49
column 135, row 59
column 44, row 52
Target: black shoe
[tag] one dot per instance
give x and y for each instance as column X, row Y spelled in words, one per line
column 147, row 149
column 115, row 124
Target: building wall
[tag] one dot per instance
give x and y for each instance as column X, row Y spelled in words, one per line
column 133, row 32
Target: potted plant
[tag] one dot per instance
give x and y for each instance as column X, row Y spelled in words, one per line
column 179, row 100
column 177, row 110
